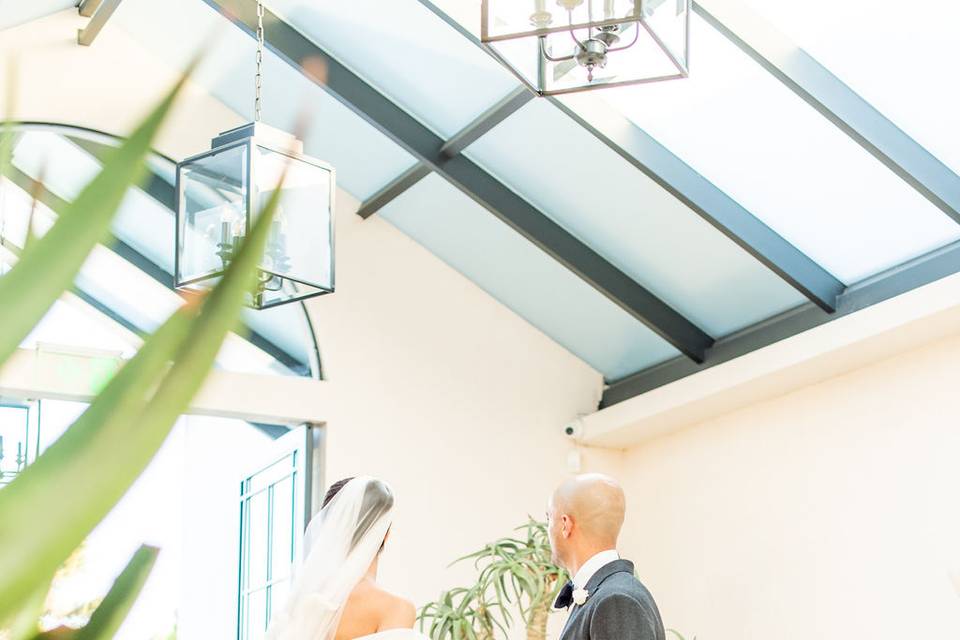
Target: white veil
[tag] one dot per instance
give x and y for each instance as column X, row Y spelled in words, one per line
column 340, row 544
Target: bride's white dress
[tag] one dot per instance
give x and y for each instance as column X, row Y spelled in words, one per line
column 339, row 546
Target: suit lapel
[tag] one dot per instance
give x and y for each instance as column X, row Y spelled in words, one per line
column 617, row 566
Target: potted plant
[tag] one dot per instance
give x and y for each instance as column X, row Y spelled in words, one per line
column 514, row 575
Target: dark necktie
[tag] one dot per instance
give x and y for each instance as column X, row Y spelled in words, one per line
column 565, row 598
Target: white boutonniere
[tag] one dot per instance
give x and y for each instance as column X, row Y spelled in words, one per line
column 580, row 597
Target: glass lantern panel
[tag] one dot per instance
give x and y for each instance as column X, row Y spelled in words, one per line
column 212, row 219
column 299, row 253
column 512, row 18
column 669, row 23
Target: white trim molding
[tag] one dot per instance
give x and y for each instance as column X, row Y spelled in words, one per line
column 909, row 321
column 78, row 375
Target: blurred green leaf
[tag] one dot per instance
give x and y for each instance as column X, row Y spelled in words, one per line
column 50, row 264
column 23, row 624
column 106, row 620
column 70, row 488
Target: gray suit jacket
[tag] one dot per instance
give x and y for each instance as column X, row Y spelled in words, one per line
column 619, row 607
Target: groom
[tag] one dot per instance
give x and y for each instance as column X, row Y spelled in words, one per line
column 608, row 603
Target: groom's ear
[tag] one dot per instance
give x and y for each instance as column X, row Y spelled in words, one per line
column 566, row 525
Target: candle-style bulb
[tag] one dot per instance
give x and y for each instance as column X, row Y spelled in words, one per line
column 608, row 10
column 541, row 18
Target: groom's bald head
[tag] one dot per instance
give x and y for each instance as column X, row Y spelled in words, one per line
column 597, row 505
column 586, row 514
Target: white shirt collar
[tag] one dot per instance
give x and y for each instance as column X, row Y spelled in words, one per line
column 591, row 566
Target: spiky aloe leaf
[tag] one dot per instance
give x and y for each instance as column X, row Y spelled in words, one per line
column 50, row 264
column 23, row 625
column 106, row 620
column 69, row 488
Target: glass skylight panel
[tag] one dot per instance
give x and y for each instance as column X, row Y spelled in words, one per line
column 70, row 322
column 15, row 207
column 900, row 56
column 407, row 52
column 66, row 169
column 284, row 326
column 175, row 30
column 752, row 137
column 16, row 12
column 525, row 279
column 127, row 290
column 630, row 220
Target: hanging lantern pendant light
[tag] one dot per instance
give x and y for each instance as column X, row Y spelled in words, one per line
column 221, row 192
column 563, row 46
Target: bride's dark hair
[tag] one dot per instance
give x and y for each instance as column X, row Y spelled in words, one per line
column 377, row 500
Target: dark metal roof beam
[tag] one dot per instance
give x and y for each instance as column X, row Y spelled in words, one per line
column 713, row 205
column 487, row 121
column 658, row 163
column 88, row 7
column 394, row 190
column 98, row 20
column 393, row 121
column 452, row 147
column 899, row 280
column 826, row 93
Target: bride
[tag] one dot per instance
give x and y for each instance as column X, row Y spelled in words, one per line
column 335, row 595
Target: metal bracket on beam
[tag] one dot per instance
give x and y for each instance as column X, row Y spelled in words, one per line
column 395, row 189
column 487, row 121
column 88, row 7
column 450, row 149
column 100, row 11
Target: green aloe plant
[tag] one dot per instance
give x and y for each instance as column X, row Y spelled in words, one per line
column 53, row 505
column 514, row 574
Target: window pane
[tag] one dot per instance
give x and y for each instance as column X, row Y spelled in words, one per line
column 525, row 279
column 271, row 475
column 283, row 529
column 630, row 220
column 257, row 615
column 278, row 597
column 750, row 135
column 15, row 441
column 257, row 548
column 900, row 56
column 407, row 52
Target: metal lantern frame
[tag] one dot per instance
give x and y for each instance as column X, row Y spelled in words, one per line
column 488, row 41
column 250, row 137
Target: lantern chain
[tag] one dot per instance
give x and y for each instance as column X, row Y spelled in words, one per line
column 259, row 77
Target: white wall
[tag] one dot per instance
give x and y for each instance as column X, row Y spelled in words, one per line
column 832, row 512
column 109, row 86
column 445, row 393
